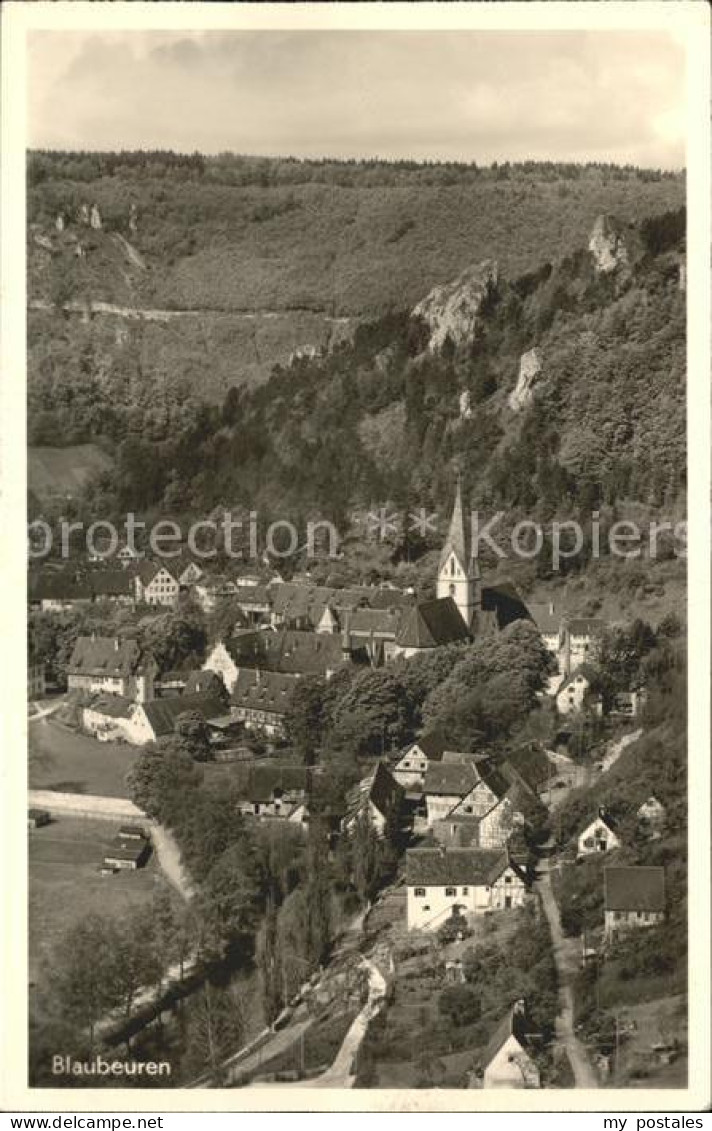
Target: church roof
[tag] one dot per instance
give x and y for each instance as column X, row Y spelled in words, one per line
column 431, row 624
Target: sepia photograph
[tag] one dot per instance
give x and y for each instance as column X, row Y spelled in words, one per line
column 355, row 527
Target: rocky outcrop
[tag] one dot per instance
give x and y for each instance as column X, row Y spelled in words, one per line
column 308, row 353
column 133, row 219
column 95, row 217
column 465, row 405
column 529, row 372
column 452, row 310
column 607, row 247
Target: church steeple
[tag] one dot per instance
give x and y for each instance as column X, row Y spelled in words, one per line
column 458, row 572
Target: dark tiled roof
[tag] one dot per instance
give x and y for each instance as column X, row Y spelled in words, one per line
column 111, row 583
column 545, row 619
column 162, row 713
column 258, row 690
column 450, row 779
column 531, row 763
column 58, row 587
column 104, row 655
column 380, row 787
column 202, row 682
column 252, row 595
column 438, row 867
column 433, row 745
column 379, row 622
column 431, row 624
column 264, row 781
column 634, row 889
column 504, row 603
column 288, row 651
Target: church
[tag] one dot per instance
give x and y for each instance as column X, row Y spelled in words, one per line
column 463, row 607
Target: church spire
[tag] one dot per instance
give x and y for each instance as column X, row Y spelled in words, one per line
column 458, row 572
column 457, row 542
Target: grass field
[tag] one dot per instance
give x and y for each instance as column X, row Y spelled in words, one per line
column 69, row 762
column 65, row 884
column 63, row 471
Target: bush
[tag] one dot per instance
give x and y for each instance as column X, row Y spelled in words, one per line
column 460, row 1004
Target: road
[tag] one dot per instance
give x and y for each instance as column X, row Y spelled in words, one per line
column 566, row 956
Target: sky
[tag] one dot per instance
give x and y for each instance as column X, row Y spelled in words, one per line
column 466, row 95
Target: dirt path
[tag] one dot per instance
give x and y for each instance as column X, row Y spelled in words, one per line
column 566, row 956
column 342, row 1073
column 169, row 859
column 615, row 749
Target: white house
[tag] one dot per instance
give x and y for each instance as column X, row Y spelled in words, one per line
column 441, row 881
column 575, row 692
column 156, row 584
column 411, row 764
column 599, row 836
column 633, row 897
column 111, row 665
column 508, row 1062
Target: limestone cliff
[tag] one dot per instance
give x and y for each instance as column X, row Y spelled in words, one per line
column 452, row 309
column 607, row 247
column 529, row 371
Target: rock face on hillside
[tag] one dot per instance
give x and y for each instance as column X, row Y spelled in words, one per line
column 529, row 371
column 607, row 247
column 452, row 310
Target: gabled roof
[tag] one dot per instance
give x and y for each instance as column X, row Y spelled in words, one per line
column 162, row 713
column 588, row 672
column 264, row 781
column 531, row 763
column 59, row 586
column 440, row 867
column 432, row 624
column 259, row 690
column 604, row 816
column 432, row 745
column 288, row 651
column 514, row 1024
column 111, row 583
column 202, row 681
column 105, row 655
column 450, row 779
column 380, row 788
column 502, row 604
column 148, row 570
column 545, row 617
column 634, row 889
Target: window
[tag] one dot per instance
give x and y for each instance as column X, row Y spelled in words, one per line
column 507, row 879
column 450, row 891
column 465, row 891
column 420, row 893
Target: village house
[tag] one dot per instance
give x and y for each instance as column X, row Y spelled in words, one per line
column 651, row 816
column 379, row 797
column 112, row 586
column 472, row 803
column 111, row 665
column 255, row 603
column 599, row 836
column 469, row 881
column 575, row 693
column 261, row 699
column 58, row 591
column 508, row 1060
column 633, row 897
column 157, row 718
column 276, row 793
column 155, row 584
column 581, row 640
column 445, row 785
column 411, row 765
column 288, row 651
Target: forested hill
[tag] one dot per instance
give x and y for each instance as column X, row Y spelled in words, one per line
column 271, row 256
column 513, row 332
